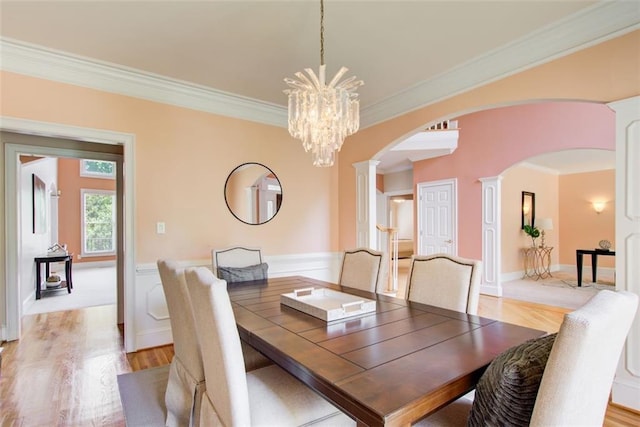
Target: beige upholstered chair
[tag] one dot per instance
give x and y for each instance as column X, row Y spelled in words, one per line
column 445, row 281
column 579, row 373
column 267, row 396
column 364, row 269
column 240, row 257
column 234, row 260
column 186, row 385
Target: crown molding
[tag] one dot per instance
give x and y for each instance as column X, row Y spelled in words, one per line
column 36, row 61
column 601, row 22
column 594, row 25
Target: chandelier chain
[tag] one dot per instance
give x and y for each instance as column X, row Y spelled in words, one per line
column 322, row 112
column 321, row 32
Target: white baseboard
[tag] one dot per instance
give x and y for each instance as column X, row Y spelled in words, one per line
column 494, row 291
column 586, row 270
column 514, row 275
column 93, row 264
column 565, row 268
column 625, row 393
column 153, row 338
column 28, row 302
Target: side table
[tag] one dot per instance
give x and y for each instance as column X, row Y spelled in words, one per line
column 537, row 262
column 594, row 261
column 46, row 260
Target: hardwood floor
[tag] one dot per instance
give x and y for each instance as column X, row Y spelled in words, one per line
column 63, row 371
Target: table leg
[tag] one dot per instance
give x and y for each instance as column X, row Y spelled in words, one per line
column 579, row 265
column 67, row 273
column 594, row 266
column 38, row 280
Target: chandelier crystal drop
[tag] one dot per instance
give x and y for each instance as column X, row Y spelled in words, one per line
column 322, row 115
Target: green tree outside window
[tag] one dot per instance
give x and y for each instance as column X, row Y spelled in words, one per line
column 99, row 222
column 98, row 168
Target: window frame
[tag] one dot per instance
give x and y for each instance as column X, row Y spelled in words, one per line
column 100, row 175
column 114, row 224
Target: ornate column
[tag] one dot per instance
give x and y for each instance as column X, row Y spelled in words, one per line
column 491, row 223
column 366, row 235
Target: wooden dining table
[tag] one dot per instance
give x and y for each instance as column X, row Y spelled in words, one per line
column 390, row 367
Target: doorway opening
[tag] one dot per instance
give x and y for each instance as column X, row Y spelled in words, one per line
column 80, row 219
column 24, row 136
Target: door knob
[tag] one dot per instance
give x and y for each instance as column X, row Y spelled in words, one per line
column 448, row 241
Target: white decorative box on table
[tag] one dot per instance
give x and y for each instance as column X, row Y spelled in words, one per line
column 327, row 304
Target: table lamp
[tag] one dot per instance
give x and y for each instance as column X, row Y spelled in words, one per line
column 544, row 224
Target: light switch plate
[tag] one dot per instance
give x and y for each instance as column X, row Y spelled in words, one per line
column 160, row 229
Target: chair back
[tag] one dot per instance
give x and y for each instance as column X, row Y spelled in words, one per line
column 445, row 281
column 363, row 268
column 577, row 379
column 238, row 264
column 186, row 373
column 235, row 257
column 220, row 346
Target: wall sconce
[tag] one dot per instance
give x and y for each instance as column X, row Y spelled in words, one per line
column 599, row 206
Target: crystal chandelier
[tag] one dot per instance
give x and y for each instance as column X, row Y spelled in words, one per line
column 322, row 115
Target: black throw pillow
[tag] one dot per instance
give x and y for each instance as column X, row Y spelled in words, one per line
column 243, row 274
column 506, row 392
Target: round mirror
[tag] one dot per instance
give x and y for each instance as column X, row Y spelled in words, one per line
column 253, row 193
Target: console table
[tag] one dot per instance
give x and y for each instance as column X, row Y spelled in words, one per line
column 594, row 261
column 46, row 260
column 537, row 262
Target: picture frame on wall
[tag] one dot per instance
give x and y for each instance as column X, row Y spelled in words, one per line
column 39, row 204
column 528, row 208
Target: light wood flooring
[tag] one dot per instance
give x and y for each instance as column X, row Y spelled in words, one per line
column 63, row 371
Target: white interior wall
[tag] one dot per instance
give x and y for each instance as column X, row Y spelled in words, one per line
column 33, row 245
column 404, row 212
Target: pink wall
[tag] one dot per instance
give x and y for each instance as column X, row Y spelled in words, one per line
column 603, row 73
column 70, row 219
column 493, row 140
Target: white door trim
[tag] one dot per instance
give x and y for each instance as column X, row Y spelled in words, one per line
column 366, row 235
column 454, row 211
column 491, row 236
column 626, row 384
column 56, row 130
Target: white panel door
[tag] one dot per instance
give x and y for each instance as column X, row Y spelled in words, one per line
column 437, row 218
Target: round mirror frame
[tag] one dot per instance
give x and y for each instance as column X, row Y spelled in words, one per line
column 265, row 200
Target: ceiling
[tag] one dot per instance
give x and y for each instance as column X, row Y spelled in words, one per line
column 409, row 53
column 574, row 161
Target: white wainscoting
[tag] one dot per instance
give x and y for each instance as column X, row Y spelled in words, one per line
column 152, row 323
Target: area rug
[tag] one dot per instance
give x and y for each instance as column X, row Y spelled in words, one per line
column 91, row 287
column 560, row 290
column 142, row 396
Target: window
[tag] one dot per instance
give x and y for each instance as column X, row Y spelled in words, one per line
column 98, row 169
column 98, row 222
